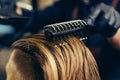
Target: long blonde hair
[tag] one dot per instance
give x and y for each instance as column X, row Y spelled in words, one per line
column 67, row 59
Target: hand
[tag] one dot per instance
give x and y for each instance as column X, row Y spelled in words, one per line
column 111, row 15
column 106, row 20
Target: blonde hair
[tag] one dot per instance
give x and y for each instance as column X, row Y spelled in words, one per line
column 67, row 59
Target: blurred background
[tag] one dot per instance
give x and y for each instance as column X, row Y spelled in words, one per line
column 20, row 18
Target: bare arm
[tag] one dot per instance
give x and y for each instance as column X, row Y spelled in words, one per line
column 108, row 24
column 115, row 40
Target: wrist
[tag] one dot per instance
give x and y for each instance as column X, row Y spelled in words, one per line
column 104, row 28
column 115, row 40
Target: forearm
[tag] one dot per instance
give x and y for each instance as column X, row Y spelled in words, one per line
column 107, row 21
column 115, row 40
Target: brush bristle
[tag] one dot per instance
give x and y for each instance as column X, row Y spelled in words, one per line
column 77, row 28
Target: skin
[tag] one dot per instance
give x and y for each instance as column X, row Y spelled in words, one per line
column 12, row 70
column 115, row 40
column 42, row 4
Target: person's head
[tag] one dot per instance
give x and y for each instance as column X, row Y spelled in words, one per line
column 36, row 58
